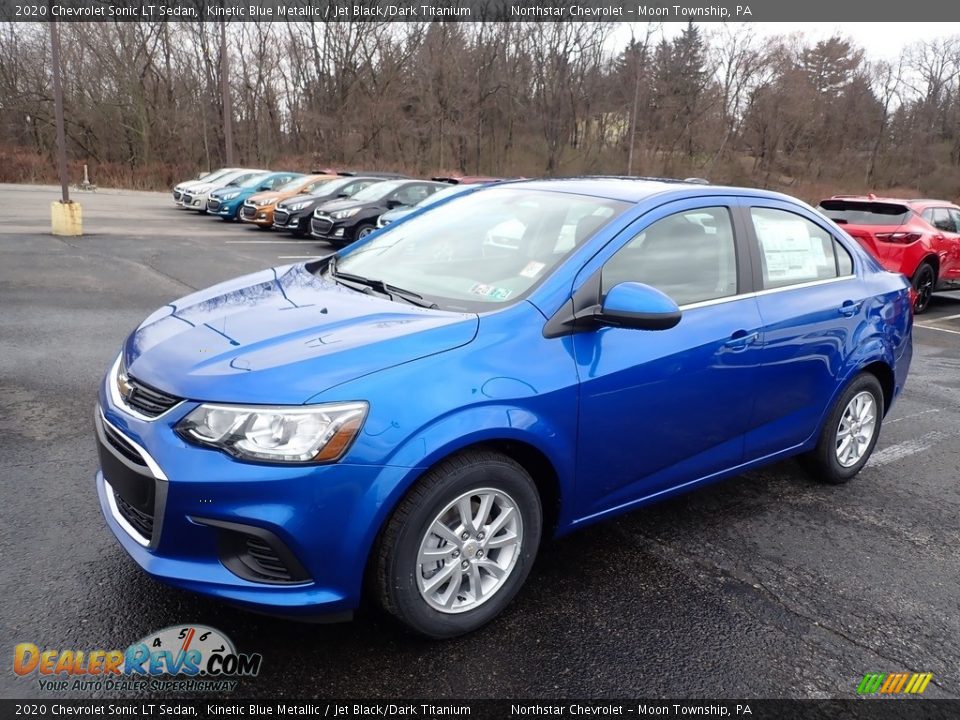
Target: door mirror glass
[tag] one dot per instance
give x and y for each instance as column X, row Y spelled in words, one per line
column 638, row 306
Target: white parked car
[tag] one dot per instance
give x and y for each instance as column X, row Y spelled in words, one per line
column 195, row 198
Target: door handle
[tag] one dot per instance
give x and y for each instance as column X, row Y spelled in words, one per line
column 741, row 339
column 850, row 308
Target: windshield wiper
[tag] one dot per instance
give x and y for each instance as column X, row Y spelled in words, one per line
column 391, row 291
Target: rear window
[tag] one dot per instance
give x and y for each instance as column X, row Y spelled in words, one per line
column 853, row 212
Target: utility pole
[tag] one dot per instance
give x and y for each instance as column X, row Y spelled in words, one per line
column 58, row 111
column 633, row 115
column 225, row 92
column 65, row 217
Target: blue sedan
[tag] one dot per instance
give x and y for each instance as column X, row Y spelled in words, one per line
column 410, row 416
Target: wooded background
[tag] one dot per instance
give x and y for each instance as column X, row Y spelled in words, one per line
column 143, row 103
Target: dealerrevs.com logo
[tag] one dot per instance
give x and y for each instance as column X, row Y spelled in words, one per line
column 199, row 658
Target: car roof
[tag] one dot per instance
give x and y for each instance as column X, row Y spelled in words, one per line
column 636, row 189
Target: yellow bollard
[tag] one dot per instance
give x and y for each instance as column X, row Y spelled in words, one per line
column 66, row 218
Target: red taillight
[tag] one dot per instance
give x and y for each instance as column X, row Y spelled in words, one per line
column 903, row 238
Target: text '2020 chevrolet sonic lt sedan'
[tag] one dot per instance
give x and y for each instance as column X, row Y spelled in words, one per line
column 408, row 417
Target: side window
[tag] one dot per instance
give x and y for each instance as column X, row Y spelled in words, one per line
column 927, row 215
column 955, row 216
column 690, row 256
column 943, row 221
column 793, row 250
column 411, row 194
column 844, row 261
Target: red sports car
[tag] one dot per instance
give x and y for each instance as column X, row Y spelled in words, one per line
column 919, row 238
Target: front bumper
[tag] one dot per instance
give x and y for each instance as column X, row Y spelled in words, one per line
column 298, row 221
column 326, row 228
column 320, row 519
column 225, row 208
column 258, row 215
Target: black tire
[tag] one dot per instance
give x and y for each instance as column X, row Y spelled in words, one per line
column 394, row 564
column 363, row 230
column 924, row 281
column 822, row 462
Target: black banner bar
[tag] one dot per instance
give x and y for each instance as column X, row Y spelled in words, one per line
column 475, row 11
column 865, row 709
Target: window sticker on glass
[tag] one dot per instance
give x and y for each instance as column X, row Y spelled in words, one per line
column 789, row 251
column 495, row 293
column 532, row 269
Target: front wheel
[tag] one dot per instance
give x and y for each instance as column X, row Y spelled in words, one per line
column 363, row 231
column 850, row 432
column 924, row 280
column 459, row 546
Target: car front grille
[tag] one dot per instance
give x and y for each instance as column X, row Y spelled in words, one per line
column 280, row 217
column 321, row 226
column 141, row 521
column 248, row 212
column 187, row 198
column 213, row 204
column 119, row 443
column 129, row 479
column 176, row 195
column 262, row 559
column 148, row 400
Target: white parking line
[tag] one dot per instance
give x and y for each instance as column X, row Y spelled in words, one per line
column 898, row 452
column 931, row 327
column 263, row 242
column 948, row 317
column 908, row 417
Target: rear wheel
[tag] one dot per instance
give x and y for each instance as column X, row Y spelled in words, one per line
column 850, row 432
column 924, row 280
column 459, row 546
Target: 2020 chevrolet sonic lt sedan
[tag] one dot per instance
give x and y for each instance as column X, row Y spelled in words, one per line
column 408, row 417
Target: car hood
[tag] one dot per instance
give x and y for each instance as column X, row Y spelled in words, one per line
column 341, row 204
column 281, row 336
column 270, row 197
column 293, row 200
column 241, row 192
column 397, row 213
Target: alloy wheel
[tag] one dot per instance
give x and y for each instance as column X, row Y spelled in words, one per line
column 469, row 550
column 855, row 431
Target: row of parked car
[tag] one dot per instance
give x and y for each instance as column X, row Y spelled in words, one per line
column 336, row 206
column 918, row 238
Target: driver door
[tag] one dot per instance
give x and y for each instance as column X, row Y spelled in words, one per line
column 659, row 409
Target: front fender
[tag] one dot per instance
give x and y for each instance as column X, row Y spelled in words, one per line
column 449, row 435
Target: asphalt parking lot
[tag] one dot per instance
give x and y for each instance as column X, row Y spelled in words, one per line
column 768, row 585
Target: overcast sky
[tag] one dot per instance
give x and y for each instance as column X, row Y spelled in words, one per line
column 880, row 41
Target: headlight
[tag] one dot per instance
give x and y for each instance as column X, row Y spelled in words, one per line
column 230, row 195
column 299, row 205
column 293, row 434
column 344, row 214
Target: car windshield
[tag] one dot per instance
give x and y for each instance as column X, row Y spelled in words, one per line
column 377, row 191
column 292, row 186
column 312, row 187
column 483, row 249
column 443, row 195
column 254, row 180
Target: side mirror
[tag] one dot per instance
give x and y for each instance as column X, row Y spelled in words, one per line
column 638, row 306
column 343, row 195
column 394, row 204
column 263, row 187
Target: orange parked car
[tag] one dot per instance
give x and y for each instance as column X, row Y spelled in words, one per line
column 258, row 209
